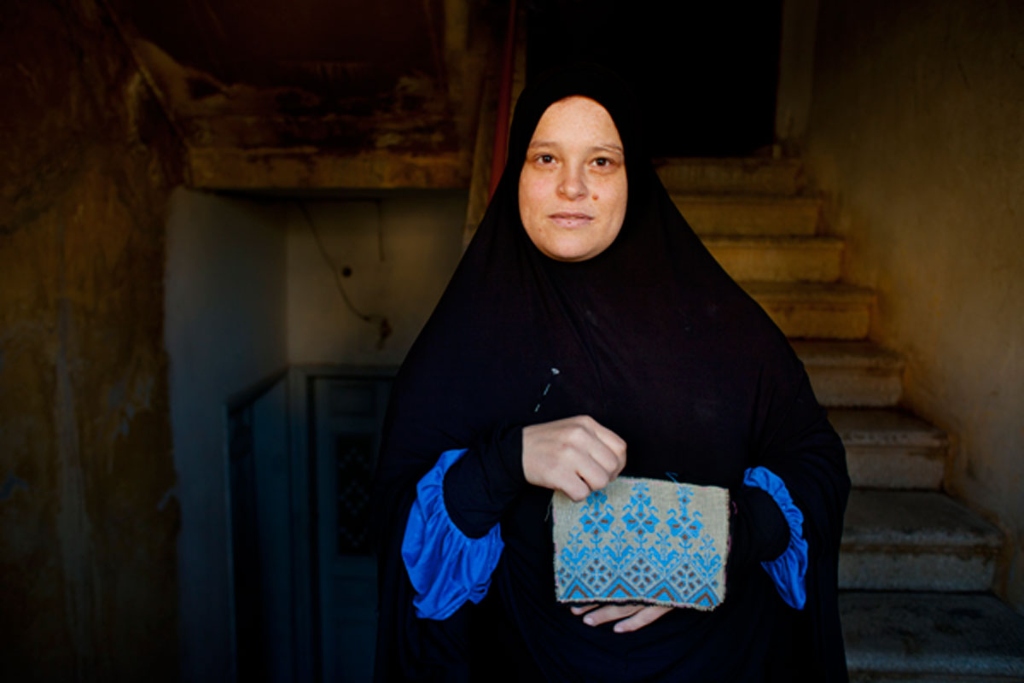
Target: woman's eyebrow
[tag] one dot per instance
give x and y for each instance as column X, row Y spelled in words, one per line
column 610, row 147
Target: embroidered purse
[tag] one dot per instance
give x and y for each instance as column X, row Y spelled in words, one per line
column 643, row 540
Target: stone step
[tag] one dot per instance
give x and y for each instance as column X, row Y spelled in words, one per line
column 749, row 214
column 731, row 176
column 916, row 541
column 815, row 310
column 778, row 259
column 936, row 637
column 855, row 374
column 889, row 449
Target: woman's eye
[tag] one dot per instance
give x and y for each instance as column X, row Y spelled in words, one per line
column 545, row 158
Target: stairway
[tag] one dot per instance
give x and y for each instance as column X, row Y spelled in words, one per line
column 916, row 567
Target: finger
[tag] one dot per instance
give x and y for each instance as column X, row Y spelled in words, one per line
column 610, row 438
column 595, row 476
column 583, row 440
column 582, row 609
column 642, row 618
column 574, row 487
column 614, row 443
column 605, row 457
column 608, row 613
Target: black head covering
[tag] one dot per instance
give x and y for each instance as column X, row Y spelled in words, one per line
column 657, row 343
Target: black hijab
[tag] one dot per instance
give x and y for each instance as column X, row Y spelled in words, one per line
column 657, row 343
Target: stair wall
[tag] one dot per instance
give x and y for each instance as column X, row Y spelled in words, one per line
column 918, row 141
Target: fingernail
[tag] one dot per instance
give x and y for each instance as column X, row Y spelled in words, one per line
column 588, row 620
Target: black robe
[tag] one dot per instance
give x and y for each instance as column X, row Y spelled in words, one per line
column 657, row 343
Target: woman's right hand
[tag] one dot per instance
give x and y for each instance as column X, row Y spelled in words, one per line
column 575, row 455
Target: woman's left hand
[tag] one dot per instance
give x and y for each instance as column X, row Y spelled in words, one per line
column 629, row 617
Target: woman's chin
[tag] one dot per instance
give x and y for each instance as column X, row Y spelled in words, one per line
column 571, row 250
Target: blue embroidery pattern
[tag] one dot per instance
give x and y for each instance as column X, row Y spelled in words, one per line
column 643, row 540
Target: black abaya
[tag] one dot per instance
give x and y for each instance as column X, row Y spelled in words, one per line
column 653, row 340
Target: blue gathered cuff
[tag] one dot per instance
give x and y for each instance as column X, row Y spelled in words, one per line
column 788, row 570
column 445, row 566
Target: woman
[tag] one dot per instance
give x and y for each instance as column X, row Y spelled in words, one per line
column 587, row 333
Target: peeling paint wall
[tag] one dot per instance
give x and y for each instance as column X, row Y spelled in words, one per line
column 225, row 326
column 917, row 136
column 87, row 526
column 401, row 249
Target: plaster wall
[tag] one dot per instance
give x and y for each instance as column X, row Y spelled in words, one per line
column 88, row 582
column 916, row 135
column 225, row 318
column 401, row 247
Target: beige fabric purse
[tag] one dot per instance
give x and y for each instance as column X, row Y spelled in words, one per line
column 643, row 540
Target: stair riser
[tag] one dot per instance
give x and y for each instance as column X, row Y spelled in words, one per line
column 931, row 637
column 895, row 468
column 779, row 264
column 695, row 177
column 856, row 376
column 767, row 218
column 855, row 387
column 868, row 676
column 896, row 569
column 838, row 320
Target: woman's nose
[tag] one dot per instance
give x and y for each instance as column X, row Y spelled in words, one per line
column 573, row 184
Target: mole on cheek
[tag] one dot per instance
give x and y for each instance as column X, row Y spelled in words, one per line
column 594, row 197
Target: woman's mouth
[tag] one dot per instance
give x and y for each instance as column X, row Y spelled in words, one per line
column 566, row 219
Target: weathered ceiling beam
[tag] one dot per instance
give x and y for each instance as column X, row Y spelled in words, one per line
column 316, row 169
column 259, row 110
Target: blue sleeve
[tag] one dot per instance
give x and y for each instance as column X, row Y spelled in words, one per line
column 445, row 566
column 789, row 569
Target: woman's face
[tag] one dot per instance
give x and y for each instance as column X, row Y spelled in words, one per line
column 572, row 189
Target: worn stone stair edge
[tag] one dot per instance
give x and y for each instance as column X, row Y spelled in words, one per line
column 814, row 310
column 915, row 540
column 750, row 215
column 895, row 469
column 929, row 635
column 846, row 354
column 885, row 428
column 890, row 450
column 871, row 677
column 778, row 262
column 747, row 200
column 917, row 522
column 818, row 295
column 746, row 174
column 809, row 242
column 935, row 572
column 839, row 388
column 980, row 548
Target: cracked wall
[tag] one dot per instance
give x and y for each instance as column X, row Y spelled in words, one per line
column 87, row 523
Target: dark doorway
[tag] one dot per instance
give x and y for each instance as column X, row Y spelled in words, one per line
column 302, row 450
column 705, row 73
column 348, row 414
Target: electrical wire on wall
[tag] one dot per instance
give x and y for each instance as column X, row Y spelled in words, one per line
column 340, row 272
